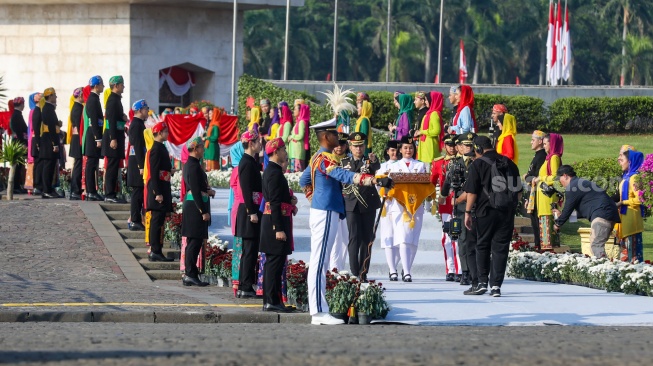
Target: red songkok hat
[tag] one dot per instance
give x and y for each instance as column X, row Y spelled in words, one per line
column 274, row 145
column 19, row 101
column 248, row 136
column 500, row 108
column 159, row 127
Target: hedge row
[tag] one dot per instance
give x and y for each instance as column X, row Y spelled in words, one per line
column 565, row 115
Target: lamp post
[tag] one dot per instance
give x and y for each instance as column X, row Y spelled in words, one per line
column 233, row 58
column 440, row 44
column 285, row 51
column 387, row 45
column 335, row 43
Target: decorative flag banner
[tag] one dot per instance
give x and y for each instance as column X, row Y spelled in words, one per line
column 549, row 43
column 558, row 65
column 566, row 48
column 462, row 71
column 179, row 80
column 183, row 127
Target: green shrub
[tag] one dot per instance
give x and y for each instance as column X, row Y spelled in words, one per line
column 605, row 172
column 602, row 115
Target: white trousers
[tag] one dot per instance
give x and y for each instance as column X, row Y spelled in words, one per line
column 450, row 249
column 339, row 251
column 407, row 238
column 323, row 232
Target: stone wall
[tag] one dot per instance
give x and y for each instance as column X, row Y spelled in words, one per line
column 62, row 46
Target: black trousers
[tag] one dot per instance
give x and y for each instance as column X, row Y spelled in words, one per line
column 361, row 228
column 37, row 173
column 248, row 265
column 47, row 174
column 466, row 240
column 19, row 176
column 535, row 223
column 111, row 177
column 136, row 208
column 494, row 232
column 193, row 247
column 272, row 271
column 156, row 231
column 76, row 177
column 91, row 174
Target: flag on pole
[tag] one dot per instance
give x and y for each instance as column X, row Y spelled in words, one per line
column 566, row 47
column 549, row 43
column 462, row 70
column 559, row 44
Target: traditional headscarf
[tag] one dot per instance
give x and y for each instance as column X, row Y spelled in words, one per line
column 366, row 112
column 499, row 108
column 215, row 121
column 34, row 99
column 636, row 159
column 95, row 80
column 420, row 94
column 466, row 100
column 236, row 153
column 453, row 89
column 556, row 147
column 435, row 106
column 537, row 134
column 627, row 148
column 509, row 129
column 299, row 102
column 361, row 97
column 304, row 115
column 264, row 101
column 18, row 101
column 139, row 104
column 249, row 136
column 254, row 119
column 69, row 130
column 118, row 79
column 194, row 142
column 159, row 127
column 274, row 145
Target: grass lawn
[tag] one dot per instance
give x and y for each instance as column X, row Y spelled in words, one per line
column 582, row 147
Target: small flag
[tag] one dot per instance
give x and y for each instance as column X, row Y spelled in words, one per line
column 549, row 43
column 566, row 48
column 462, row 71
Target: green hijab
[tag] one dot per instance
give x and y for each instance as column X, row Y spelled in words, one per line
column 405, row 106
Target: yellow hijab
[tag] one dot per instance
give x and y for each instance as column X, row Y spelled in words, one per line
column 149, row 141
column 254, row 117
column 366, row 112
column 509, row 129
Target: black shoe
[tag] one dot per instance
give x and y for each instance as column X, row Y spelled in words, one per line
column 19, row 191
column 136, row 226
column 75, row 197
column 465, row 279
column 394, row 277
column 458, row 278
column 60, row 193
column 495, row 292
column 36, row 191
column 158, row 257
column 276, row 308
column 450, row 277
column 479, row 289
column 111, row 200
column 407, row 278
column 49, row 195
column 191, row 281
column 94, row 197
column 246, row 294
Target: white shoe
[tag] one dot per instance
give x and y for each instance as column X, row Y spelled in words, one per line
column 326, row 319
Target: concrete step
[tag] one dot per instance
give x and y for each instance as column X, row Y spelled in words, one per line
column 530, row 238
column 128, row 234
column 141, row 253
column 133, row 243
column 121, row 224
column 118, row 215
column 522, row 221
column 115, row 206
column 525, row 230
column 147, row 265
column 159, row 274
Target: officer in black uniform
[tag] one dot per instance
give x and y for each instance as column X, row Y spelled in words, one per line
column 75, row 151
column 49, row 143
column 113, row 139
column 93, row 140
column 361, row 204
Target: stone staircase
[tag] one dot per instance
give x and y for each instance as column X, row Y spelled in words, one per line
column 118, row 214
column 524, row 229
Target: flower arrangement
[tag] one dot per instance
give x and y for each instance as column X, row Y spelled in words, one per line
column 219, row 178
column 218, row 258
column 518, row 244
column 645, row 184
column 172, row 226
column 296, row 283
column 577, row 269
column 175, row 183
column 371, row 300
column 340, row 290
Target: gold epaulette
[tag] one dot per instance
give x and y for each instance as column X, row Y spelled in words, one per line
column 439, row 158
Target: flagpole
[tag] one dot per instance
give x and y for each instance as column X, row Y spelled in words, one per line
column 233, row 58
column 440, row 44
column 564, row 28
column 335, row 43
column 285, row 50
column 387, row 44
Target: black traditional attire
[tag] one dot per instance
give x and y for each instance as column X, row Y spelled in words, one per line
column 115, row 131
column 76, row 149
column 36, row 142
column 136, row 162
column 158, row 183
column 196, row 203
column 19, row 132
column 249, row 176
column 48, row 141
column 91, row 151
column 361, row 204
column 276, row 218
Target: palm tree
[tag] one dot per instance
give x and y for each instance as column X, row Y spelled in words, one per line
column 12, row 153
column 2, row 89
column 486, row 38
column 637, row 59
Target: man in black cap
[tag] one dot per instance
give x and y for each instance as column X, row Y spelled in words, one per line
column 361, row 204
column 592, row 203
column 493, row 188
column 92, row 147
column 113, row 140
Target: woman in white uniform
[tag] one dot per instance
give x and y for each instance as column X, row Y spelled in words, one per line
column 386, row 223
column 405, row 236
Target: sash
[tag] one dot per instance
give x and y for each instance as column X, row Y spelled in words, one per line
column 189, row 197
column 286, row 209
column 164, row 175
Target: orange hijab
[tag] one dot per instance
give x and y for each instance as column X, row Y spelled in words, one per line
column 215, row 121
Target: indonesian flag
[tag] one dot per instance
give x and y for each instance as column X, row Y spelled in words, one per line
column 566, row 48
column 549, row 42
column 181, row 128
column 462, row 71
column 558, row 64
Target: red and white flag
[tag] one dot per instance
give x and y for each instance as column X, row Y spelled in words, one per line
column 462, row 70
column 549, row 42
column 566, row 48
column 558, row 64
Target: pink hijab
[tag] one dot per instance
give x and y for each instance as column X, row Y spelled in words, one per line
column 305, row 116
column 556, row 147
column 437, row 102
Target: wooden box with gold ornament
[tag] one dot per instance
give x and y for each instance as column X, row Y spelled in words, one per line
column 410, row 177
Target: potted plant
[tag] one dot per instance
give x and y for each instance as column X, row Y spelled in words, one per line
column 297, row 285
column 341, row 297
column 12, row 153
column 172, row 227
column 371, row 303
column 218, row 262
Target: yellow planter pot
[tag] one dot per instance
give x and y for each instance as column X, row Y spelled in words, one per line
column 611, row 250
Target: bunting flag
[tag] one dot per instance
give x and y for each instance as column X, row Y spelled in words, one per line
column 549, row 43
column 462, row 70
column 566, row 48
